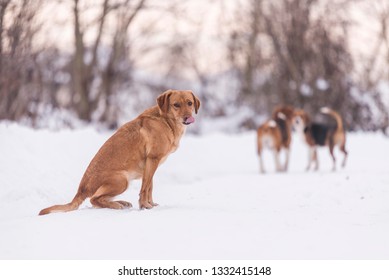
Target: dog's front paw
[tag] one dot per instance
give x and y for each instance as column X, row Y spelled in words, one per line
column 153, row 203
column 145, row 205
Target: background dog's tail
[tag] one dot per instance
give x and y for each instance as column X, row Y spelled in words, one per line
column 335, row 115
column 73, row 205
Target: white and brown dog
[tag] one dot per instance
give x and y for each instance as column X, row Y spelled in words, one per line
column 275, row 134
column 327, row 130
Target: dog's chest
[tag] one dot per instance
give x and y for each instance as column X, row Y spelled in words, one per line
column 172, row 150
column 176, row 141
column 174, row 144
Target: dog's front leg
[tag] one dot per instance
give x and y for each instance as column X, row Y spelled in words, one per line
column 147, row 183
column 261, row 165
column 276, row 154
column 287, row 153
column 150, row 198
column 311, row 156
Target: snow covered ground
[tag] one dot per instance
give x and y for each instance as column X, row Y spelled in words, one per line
column 214, row 204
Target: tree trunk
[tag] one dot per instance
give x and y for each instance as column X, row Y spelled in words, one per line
column 81, row 84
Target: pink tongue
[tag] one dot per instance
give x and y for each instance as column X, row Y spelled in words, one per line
column 190, row 120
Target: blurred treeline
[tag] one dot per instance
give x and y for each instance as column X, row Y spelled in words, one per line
column 255, row 54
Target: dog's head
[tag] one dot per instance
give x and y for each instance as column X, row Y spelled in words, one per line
column 300, row 120
column 179, row 105
column 285, row 112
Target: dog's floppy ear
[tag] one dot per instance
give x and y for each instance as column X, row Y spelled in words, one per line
column 196, row 103
column 163, row 101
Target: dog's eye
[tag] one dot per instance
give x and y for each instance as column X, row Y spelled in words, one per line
column 190, row 103
column 176, row 105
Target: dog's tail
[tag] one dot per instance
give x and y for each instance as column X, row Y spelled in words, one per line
column 73, row 205
column 335, row 115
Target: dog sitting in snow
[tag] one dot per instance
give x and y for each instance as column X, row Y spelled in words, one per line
column 326, row 130
column 135, row 151
column 275, row 134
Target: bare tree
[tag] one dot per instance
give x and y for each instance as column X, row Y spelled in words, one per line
column 295, row 52
column 375, row 69
column 3, row 8
column 119, row 56
column 20, row 81
column 246, row 47
column 83, row 70
column 289, row 51
column 94, row 79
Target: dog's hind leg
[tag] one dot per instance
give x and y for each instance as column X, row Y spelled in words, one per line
column 102, row 198
column 331, row 147
column 261, row 165
column 343, row 149
column 311, row 156
column 260, row 155
column 277, row 160
column 287, row 152
column 315, row 158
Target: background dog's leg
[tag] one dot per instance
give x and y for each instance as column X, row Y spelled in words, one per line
column 277, row 160
column 286, row 159
column 261, row 166
column 343, row 149
column 147, row 182
column 316, row 159
column 310, row 158
column 333, row 156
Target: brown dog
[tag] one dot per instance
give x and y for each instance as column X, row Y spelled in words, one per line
column 275, row 134
column 135, row 151
column 321, row 133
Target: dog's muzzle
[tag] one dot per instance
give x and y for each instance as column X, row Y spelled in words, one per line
column 188, row 120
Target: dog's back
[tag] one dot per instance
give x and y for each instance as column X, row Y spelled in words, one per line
column 326, row 130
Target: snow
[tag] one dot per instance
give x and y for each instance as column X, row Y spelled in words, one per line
column 306, row 90
column 214, row 204
column 322, row 84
